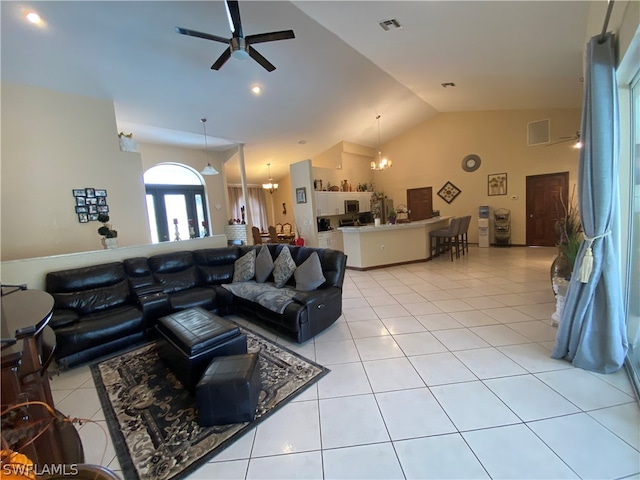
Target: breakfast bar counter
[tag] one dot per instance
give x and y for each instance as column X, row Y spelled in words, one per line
column 370, row 246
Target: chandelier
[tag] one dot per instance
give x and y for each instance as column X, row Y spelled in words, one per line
column 382, row 163
column 270, row 187
column 208, row 169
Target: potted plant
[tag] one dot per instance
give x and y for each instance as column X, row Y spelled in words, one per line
column 568, row 239
column 109, row 235
column 392, row 216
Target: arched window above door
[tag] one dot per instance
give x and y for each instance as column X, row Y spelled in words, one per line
column 171, row 174
column 175, row 203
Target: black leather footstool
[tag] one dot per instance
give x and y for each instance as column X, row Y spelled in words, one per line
column 190, row 339
column 228, row 390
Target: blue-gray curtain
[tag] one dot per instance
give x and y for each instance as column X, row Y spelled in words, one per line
column 592, row 333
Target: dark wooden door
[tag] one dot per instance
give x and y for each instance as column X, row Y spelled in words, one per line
column 544, row 196
column 420, row 203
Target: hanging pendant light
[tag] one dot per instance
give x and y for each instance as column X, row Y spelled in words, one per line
column 270, row 187
column 382, row 163
column 208, row 169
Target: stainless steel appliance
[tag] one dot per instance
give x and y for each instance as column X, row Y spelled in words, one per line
column 351, row 206
column 324, row 224
column 383, row 207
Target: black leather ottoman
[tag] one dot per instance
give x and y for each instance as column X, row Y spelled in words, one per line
column 190, row 339
column 228, row 390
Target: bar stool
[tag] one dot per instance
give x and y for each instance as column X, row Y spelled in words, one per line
column 464, row 231
column 446, row 238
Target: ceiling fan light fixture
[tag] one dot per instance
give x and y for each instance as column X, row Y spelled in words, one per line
column 239, row 45
column 208, row 169
column 239, row 49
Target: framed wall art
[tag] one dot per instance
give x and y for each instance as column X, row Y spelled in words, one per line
column 449, row 192
column 301, row 195
column 89, row 202
column 497, row 184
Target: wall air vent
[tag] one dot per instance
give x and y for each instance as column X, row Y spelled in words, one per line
column 390, row 24
column 538, row 133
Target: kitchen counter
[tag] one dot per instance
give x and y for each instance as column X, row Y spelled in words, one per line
column 370, row 246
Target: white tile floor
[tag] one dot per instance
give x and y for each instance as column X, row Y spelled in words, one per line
column 438, row 370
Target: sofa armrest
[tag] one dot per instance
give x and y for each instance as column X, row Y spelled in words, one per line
column 62, row 318
column 154, row 306
column 317, row 298
column 146, row 290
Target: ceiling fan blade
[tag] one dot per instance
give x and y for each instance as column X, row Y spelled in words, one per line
column 260, row 59
column 562, row 140
column 233, row 15
column 226, row 55
column 206, row 36
column 270, row 37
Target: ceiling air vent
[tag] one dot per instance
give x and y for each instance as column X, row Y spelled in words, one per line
column 538, row 133
column 387, row 25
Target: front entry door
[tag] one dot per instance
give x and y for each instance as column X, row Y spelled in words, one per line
column 545, row 194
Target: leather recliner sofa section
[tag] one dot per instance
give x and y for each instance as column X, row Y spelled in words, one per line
column 94, row 312
column 104, row 308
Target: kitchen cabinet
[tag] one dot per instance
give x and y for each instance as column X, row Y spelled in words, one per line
column 331, row 239
column 332, row 203
column 364, row 198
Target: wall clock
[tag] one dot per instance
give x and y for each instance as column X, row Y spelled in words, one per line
column 471, row 163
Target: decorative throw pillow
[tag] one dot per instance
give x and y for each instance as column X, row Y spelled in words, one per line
column 264, row 265
column 283, row 267
column 244, row 268
column 309, row 274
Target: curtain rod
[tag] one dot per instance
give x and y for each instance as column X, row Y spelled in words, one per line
column 606, row 22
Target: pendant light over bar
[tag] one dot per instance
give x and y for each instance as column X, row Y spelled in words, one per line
column 382, row 162
column 208, row 169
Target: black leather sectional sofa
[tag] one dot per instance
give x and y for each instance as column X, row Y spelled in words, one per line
column 104, row 308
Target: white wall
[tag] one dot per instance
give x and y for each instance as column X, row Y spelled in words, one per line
column 431, row 154
column 304, row 213
column 53, row 143
column 154, row 154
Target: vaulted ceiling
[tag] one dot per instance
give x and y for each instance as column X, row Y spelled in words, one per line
column 330, row 82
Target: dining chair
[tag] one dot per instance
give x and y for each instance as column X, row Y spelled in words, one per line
column 257, row 239
column 273, row 235
column 446, row 238
column 286, row 229
column 278, row 228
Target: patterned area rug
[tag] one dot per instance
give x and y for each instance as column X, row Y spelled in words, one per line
column 153, row 420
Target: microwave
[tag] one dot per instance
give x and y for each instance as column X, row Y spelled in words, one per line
column 351, row 206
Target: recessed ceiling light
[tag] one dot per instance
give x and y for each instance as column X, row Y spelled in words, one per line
column 33, row 17
column 256, row 90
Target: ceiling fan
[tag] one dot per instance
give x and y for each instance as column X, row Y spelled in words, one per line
column 240, row 47
column 572, row 138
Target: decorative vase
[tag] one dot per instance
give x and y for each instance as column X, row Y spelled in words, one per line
column 560, row 274
column 109, row 242
column 560, row 267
